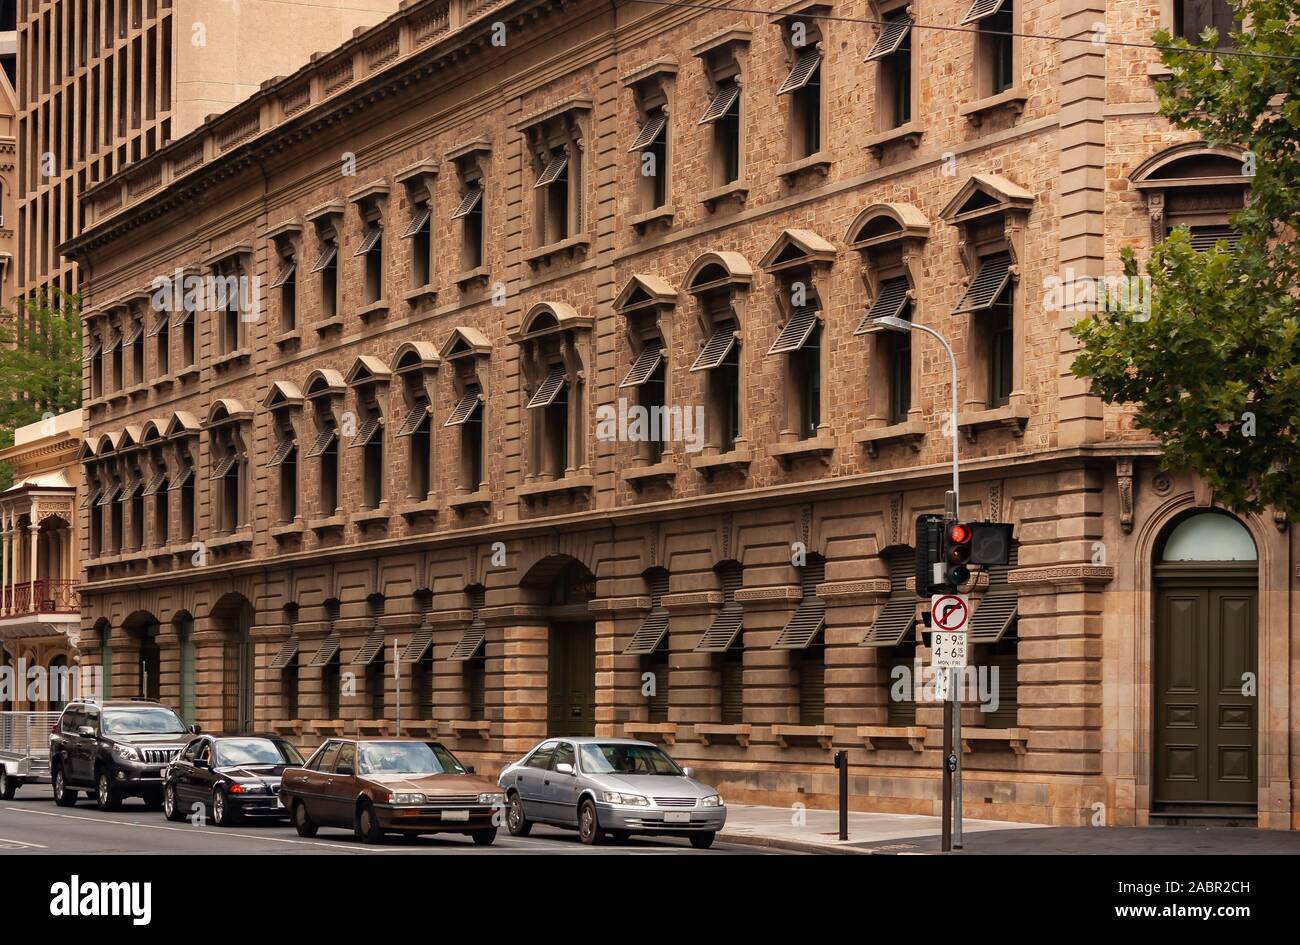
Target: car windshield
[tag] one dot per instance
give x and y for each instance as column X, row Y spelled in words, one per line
column 145, row 720
column 256, row 751
column 407, row 758
column 626, row 759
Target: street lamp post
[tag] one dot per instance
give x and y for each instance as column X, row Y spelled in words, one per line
column 903, row 325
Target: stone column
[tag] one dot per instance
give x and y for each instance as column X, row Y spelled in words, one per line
column 517, row 675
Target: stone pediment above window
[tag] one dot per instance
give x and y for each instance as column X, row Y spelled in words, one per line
column 283, row 394
column 227, row 410
column 550, row 318
column 718, row 270
column 645, row 293
column 984, row 195
column 367, row 369
column 466, row 342
column 798, row 249
column 415, row 356
column 884, row 223
column 182, row 423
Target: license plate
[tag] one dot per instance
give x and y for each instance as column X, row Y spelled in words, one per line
column 455, row 815
column 677, row 817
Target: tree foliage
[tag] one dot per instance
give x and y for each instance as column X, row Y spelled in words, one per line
column 1214, row 367
column 40, row 363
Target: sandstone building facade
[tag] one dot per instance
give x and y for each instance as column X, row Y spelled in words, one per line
column 401, row 477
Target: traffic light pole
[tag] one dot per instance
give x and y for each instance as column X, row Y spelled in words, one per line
column 952, row 513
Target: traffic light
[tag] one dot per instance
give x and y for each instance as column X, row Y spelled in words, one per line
column 929, row 552
column 956, row 554
column 990, row 543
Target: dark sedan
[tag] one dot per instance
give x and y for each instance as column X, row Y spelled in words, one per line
column 233, row 777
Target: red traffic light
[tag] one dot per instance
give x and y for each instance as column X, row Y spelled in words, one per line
column 959, row 534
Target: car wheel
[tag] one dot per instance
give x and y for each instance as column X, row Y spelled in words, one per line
column 105, row 795
column 516, row 822
column 302, row 821
column 589, row 831
column 366, row 825
column 8, row 785
column 63, row 796
column 702, row 841
column 483, row 838
column 224, row 813
column 171, row 810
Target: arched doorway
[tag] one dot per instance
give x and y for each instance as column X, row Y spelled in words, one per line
column 1206, row 670
column 142, row 629
column 567, row 587
column 233, row 616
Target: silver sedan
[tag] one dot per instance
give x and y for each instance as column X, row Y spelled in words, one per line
column 609, row 787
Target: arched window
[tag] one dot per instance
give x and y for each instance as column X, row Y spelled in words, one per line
column 1209, row 536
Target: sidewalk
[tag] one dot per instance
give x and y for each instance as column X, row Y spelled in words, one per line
column 817, row 831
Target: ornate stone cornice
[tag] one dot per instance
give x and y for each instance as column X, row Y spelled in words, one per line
column 1063, row 574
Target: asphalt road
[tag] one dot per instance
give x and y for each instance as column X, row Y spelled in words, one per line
column 32, row 824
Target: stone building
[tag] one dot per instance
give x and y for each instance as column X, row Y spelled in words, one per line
column 403, row 475
column 40, row 563
column 8, row 180
column 105, row 82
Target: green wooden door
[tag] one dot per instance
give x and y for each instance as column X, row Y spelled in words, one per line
column 1206, row 728
column 571, row 679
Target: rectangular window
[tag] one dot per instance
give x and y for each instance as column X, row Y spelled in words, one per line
column 470, row 215
column 651, row 150
column 723, row 113
column 372, row 250
column 370, row 439
column 476, row 687
column 420, row 233
column 327, row 267
column 989, row 298
column 647, row 375
column 893, row 50
column 326, row 449
column 1001, row 347
column 732, row 680
column 551, row 400
column 811, row 671
column 800, row 339
column 657, row 665
column 418, row 429
column 286, row 283
column 554, row 198
column 1194, row 17
column 900, row 712
column 161, row 332
column 803, row 85
column 720, row 356
column 189, row 349
column 468, row 415
column 135, row 344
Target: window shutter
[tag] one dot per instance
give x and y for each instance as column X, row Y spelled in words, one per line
column 110, row 495
column 227, row 463
column 369, row 650
column 286, row 271
column 997, row 610
column 328, row 647
column 157, row 483
column 184, row 479
column 980, row 9
column 418, row 222
column 802, row 73
column 1204, row 238
column 550, row 388
column 655, row 627
column 649, row 358
column 896, row 620
column 327, row 256
column 288, row 650
column 729, row 621
column 473, row 196
column 321, row 443
column 161, row 320
column 650, row 132
column 471, row 641
column 368, row 242
column 421, row 640
column 95, row 348
column 128, row 493
column 716, row 349
column 796, row 332
column 367, row 431
column 282, row 450
column 133, row 335
column 809, row 616
column 465, row 408
column 722, row 102
column 990, row 279
column 891, row 37
column 414, row 418
column 891, row 300
column 551, row 173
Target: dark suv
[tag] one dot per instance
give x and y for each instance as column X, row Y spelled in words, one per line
column 114, row 749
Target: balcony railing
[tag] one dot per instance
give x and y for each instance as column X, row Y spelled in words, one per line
column 42, row 597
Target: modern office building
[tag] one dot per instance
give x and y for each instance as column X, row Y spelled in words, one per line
column 102, row 83
column 410, row 473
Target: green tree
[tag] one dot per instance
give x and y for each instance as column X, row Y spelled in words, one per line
column 1214, row 367
column 40, row 363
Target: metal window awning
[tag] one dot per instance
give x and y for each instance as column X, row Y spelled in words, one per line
column 366, row 432
column 288, row 650
column 550, row 389
column 180, row 318
column 285, row 274
column 161, row 321
column 650, row 634
column 986, row 288
column 414, row 651
column 465, row 408
column 282, row 451
column 980, row 9
column 1204, row 238
column 132, row 336
column 156, row 484
column 552, row 171
column 413, row 419
column 647, row 361
column 802, row 72
column 895, row 621
column 109, row 496
column 722, row 102
column 418, row 222
column 326, row 258
column 94, row 351
column 184, row 479
column 805, row 623
column 473, row 197
column 650, row 132
column 891, row 37
column 370, row 240
column 471, row 641
column 223, row 467
column 716, row 349
column 323, row 441
column 723, row 631
column 891, row 300
column 91, row 498
column 369, row 650
column 796, row 332
column 328, row 647
column 129, row 491
column 112, row 344
column 996, row 612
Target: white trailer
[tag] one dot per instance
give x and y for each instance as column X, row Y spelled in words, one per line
column 24, row 749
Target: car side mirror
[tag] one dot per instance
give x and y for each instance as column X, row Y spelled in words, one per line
column 469, row 769
column 346, row 770
column 194, row 729
column 85, row 731
column 688, row 772
column 564, row 768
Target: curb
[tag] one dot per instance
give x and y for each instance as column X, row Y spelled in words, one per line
column 792, row 846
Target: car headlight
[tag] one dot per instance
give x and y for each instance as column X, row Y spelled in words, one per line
column 247, row 788
column 634, row 800
column 713, row 800
column 492, row 799
column 404, row 797
column 126, row 753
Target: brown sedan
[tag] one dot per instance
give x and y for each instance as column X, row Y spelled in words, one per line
column 390, row 785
